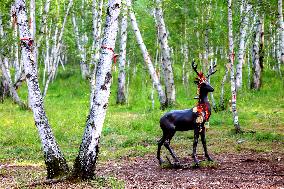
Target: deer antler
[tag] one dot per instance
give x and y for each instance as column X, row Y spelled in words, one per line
column 212, row 70
column 194, row 67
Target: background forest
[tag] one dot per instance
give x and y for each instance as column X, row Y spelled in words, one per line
column 53, row 60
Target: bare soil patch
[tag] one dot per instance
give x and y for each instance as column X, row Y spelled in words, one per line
column 232, row 171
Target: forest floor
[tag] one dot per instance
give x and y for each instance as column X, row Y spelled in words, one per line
column 253, row 159
column 249, row 170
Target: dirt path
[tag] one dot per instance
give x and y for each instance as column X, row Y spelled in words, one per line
column 232, row 171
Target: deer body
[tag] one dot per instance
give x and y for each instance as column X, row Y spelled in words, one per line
column 189, row 119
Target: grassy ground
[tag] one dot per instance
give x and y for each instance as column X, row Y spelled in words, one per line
column 132, row 130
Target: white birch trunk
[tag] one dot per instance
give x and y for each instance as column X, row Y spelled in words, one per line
column 222, row 105
column 44, row 17
column 12, row 89
column 232, row 74
column 97, row 37
column 82, row 53
column 243, row 33
column 43, row 23
column 278, row 52
column 46, row 57
column 128, row 81
column 261, row 44
column 146, row 56
column 256, row 77
column 281, row 27
column 121, row 98
column 85, row 162
column 59, row 43
column 166, row 55
column 54, row 160
column 95, row 18
column 185, row 69
column 95, row 56
column 249, row 70
column 33, row 26
column 56, row 50
column 211, row 94
column 1, row 27
column 32, row 19
column 16, row 62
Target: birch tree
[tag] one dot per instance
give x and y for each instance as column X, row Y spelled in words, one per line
column 96, row 46
column 243, row 33
column 231, row 63
column 281, row 28
column 55, row 162
column 85, row 162
column 166, row 55
column 81, row 48
column 12, row 90
column 146, row 56
column 121, row 98
column 256, row 77
column 56, row 50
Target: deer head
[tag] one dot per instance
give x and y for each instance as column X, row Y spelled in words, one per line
column 201, row 81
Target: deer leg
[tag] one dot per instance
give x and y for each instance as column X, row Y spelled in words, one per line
column 203, row 139
column 160, row 143
column 169, row 135
column 195, row 142
column 167, row 145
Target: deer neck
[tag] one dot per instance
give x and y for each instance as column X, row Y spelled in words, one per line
column 203, row 98
column 204, row 103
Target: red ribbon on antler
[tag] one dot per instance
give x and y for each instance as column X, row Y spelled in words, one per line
column 114, row 56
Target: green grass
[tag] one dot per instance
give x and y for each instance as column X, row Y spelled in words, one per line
column 133, row 129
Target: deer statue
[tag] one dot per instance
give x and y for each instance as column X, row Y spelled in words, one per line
column 189, row 119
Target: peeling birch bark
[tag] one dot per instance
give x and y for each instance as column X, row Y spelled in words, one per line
column 121, row 98
column 231, row 63
column 243, row 33
column 147, row 58
column 85, row 162
column 166, row 55
column 55, row 162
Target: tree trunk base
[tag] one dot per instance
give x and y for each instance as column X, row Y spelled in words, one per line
column 82, row 172
column 56, row 168
column 238, row 129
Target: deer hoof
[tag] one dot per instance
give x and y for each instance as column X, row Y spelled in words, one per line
column 161, row 161
column 177, row 165
column 209, row 158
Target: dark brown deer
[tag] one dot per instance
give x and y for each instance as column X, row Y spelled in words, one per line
column 189, row 119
